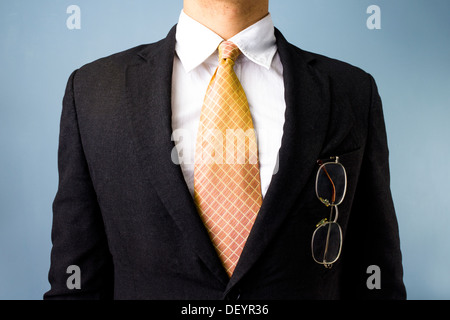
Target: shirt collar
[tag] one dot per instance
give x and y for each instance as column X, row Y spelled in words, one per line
column 195, row 43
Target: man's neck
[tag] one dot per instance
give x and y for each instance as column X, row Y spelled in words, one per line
column 226, row 17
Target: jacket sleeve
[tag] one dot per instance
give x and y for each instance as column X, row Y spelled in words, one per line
column 373, row 233
column 78, row 234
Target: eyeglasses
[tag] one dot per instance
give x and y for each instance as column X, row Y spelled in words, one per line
column 331, row 186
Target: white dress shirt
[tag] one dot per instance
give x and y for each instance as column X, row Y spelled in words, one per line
column 260, row 72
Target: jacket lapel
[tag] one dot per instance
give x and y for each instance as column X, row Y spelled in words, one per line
column 149, row 84
column 307, row 100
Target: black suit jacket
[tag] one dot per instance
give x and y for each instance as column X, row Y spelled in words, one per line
column 124, row 215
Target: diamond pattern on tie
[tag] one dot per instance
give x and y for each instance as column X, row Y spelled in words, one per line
column 227, row 187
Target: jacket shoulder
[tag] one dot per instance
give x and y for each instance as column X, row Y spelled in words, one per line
column 114, row 63
column 339, row 71
column 336, row 70
column 346, row 81
column 121, row 60
column 343, row 77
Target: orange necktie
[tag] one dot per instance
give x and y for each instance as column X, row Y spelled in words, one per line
column 227, row 187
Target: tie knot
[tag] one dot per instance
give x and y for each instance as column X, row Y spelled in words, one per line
column 228, row 50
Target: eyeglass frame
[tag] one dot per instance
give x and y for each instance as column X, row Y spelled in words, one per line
column 334, row 206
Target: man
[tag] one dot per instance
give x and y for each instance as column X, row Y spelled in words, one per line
column 143, row 216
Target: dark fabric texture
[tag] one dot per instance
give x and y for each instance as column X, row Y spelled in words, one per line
column 124, row 215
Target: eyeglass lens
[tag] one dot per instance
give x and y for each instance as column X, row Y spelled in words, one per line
column 330, row 185
column 327, row 243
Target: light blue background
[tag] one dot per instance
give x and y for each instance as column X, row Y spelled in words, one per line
column 409, row 58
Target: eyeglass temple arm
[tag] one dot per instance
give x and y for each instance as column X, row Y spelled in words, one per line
column 333, row 196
